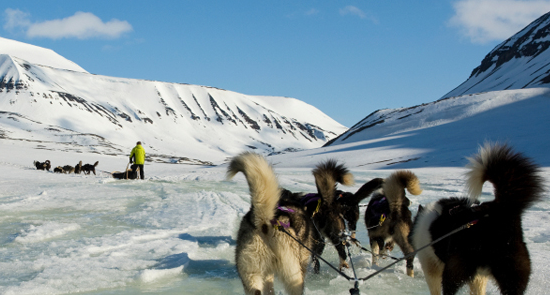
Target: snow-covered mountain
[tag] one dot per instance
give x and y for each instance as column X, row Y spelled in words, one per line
column 57, row 105
column 522, row 61
column 507, row 98
column 442, row 133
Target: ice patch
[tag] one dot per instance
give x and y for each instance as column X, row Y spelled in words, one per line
column 152, row 275
column 45, row 231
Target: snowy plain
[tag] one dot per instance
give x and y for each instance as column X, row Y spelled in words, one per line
column 174, row 233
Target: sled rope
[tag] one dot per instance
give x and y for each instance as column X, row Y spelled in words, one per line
column 465, row 226
column 355, row 290
column 315, row 254
column 358, row 243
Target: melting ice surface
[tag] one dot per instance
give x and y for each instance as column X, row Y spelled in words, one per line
column 174, row 233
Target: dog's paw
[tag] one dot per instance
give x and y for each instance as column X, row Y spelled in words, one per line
column 343, row 265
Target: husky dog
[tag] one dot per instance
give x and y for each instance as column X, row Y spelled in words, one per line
column 338, row 211
column 391, row 204
column 87, row 168
column 494, row 246
column 43, row 165
column 78, row 168
column 68, row 169
column 262, row 250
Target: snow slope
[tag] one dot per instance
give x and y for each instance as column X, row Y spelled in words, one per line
column 442, row 132
column 37, row 55
column 77, row 111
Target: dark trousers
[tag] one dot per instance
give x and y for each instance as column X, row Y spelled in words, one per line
column 141, row 173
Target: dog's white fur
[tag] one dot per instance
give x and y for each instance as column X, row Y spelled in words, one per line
column 262, row 251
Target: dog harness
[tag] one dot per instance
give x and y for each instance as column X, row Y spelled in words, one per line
column 277, row 223
column 309, row 198
column 378, row 210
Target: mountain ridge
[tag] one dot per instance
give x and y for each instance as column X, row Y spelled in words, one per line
column 174, row 120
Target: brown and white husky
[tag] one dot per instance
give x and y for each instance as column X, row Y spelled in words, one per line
column 263, row 251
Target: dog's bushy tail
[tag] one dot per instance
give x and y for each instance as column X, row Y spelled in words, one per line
column 515, row 178
column 367, row 189
column 262, row 182
column 326, row 175
column 395, row 184
column 96, row 163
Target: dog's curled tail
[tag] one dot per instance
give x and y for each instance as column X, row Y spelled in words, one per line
column 262, row 182
column 515, row 178
column 367, row 189
column 327, row 174
column 398, row 181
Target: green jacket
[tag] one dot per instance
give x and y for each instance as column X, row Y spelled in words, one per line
column 138, row 152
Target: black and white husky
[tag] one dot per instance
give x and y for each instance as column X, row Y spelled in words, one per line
column 263, row 251
column 338, row 211
column 391, row 202
column 494, row 246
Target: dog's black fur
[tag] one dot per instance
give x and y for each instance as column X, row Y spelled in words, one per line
column 89, row 168
column 338, row 210
column 494, row 245
column 58, row 169
column 46, row 165
column 391, row 201
column 130, row 174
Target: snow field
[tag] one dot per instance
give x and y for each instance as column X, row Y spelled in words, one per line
column 174, row 233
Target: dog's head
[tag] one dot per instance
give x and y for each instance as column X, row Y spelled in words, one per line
column 348, row 208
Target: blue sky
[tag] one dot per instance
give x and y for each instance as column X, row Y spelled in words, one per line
column 347, row 58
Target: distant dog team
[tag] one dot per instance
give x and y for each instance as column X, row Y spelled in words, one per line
column 68, row 169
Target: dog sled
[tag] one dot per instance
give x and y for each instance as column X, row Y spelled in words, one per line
column 132, row 173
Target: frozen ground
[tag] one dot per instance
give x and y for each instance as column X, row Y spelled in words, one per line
column 174, row 233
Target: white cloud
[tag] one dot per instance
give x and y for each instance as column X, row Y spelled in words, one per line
column 483, row 21
column 352, row 10
column 16, row 19
column 82, row 25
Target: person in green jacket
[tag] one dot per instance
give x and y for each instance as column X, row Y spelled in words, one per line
column 137, row 156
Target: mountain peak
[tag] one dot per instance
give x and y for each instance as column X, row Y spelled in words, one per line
column 37, row 55
column 522, row 61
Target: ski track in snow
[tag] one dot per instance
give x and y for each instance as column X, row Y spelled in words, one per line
column 174, row 232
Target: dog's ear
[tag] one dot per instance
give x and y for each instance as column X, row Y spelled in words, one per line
column 420, row 208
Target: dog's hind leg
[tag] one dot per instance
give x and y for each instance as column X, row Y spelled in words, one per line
column 478, row 285
column 292, row 274
column 432, row 273
column 318, row 248
column 376, row 243
column 512, row 274
column 255, row 284
column 400, row 237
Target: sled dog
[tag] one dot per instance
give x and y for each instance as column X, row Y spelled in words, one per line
column 263, row 251
column 337, row 211
column 388, row 218
column 493, row 246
